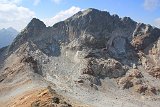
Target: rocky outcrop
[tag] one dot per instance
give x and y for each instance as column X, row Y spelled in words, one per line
column 134, row 79
column 155, row 72
column 104, row 68
column 49, row 99
column 144, row 35
column 33, row 64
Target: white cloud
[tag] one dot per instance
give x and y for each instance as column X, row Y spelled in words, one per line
column 14, row 16
column 62, row 15
column 157, row 22
column 151, row 4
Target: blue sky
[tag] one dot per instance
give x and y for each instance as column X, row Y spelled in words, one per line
column 17, row 13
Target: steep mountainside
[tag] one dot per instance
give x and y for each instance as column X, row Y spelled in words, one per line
column 7, row 36
column 93, row 58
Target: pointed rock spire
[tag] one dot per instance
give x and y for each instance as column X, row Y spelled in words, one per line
column 36, row 23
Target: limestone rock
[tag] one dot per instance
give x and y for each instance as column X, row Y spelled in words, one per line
column 91, row 52
column 104, row 68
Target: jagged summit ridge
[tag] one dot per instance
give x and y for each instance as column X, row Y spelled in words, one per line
column 93, row 28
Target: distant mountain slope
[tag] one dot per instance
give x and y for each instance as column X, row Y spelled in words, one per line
column 7, row 36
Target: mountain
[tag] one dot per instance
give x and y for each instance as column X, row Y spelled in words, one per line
column 7, row 36
column 92, row 59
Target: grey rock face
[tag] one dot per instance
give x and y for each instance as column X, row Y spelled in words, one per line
column 32, row 31
column 144, row 35
column 90, row 29
column 91, row 45
column 104, row 68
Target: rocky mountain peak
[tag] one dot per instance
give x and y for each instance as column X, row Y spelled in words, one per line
column 30, row 33
column 89, row 13
column 91, row 10
column 36, row 23
column 93, row 28
column 91, row 54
